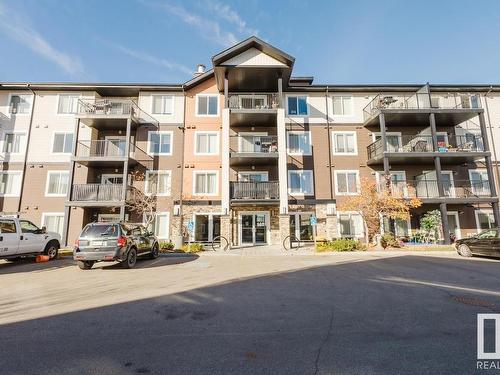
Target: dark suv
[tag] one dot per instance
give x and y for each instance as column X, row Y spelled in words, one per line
column 112, row 241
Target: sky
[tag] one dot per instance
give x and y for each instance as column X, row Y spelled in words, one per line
column 337, row 42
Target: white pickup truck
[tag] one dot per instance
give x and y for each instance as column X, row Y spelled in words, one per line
column 19, row 237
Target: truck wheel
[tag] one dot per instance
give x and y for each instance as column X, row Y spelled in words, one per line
column 131, row 259
column 154, row 251
column 85, row 264
column 52, row 249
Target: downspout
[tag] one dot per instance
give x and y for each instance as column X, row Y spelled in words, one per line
column 329, row 144
column 183, row 128
column 25, row 162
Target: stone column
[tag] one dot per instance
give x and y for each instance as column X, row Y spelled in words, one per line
column 284, row 221
column 331, row 227
column 225, row 229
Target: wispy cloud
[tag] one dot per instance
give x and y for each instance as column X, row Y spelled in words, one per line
column 18, row 29
column 225, row 12
column 151, row 59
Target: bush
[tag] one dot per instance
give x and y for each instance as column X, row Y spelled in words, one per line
column 388, row 240
column 166, row 246
column 195, row 248
column 340, row 244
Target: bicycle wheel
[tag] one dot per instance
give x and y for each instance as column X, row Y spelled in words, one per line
column 220, row 243
column 291, row 243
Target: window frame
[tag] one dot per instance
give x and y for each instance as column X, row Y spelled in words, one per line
column 339, row 213
column 52, row 152
column 79, row 96
column 22, row 143
column 9, row 100
column 337, row 171
column 45, row 215
column 487, row 211
column 209, row 132
column 197, row 96
column 18, row 194
column 351, row 107
column 334, row 143
column 301, row 171
column 161, row 96
column 155, row 222
column 47, row 183
column 298, row 132
column 306, row 97
column 161, row 132
column 147, row 180
column 216, row 190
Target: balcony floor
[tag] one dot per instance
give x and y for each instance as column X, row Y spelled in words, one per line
column 420, row 117
column 94, row 203
column 252, row 158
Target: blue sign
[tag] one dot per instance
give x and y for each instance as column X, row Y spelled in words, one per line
column 313, row 220
column 190, row 226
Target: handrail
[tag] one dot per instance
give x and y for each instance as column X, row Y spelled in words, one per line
column 429, row 188
column 114, row 106
column 257, row 143
column 254, row 100
column 97, row 192
column 249, row 190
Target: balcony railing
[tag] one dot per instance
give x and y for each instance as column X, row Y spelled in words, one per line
column 429, row 189
column 254, row 101
column 100, row 148
column 114, row 107
column 254, row 144
column 97, row 192
column 255, row 190
column 421, row 100
column 423, row 143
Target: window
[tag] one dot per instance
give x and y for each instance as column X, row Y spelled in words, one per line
column 53, row 221
column 158, row 182
column 479, row 182
column 28, row 227
column 13, row 143
column 205, row 183
column 350, row 224
column 345, row 143
column 68, row 104
column 253, row 176
column 10, row 183
column 346, row 182
column 20, row 104
column 300, row 226
column 62, row 143
column 160, row 143
column 206, row 227
column 207, row 105
column 299, row 143
column 297, row 105
column 163, row 104
column 160, row 225
column 206, row 143
column 300, row 182
column 57, row 183
column 484, row 219
column 7, row 226
column 342, row 105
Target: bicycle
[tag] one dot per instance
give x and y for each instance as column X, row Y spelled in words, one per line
column 291, row 242
column 220, row 242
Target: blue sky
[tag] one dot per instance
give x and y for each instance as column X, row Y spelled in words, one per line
column 161, row 41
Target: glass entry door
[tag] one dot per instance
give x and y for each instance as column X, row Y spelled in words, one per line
column 254, row 228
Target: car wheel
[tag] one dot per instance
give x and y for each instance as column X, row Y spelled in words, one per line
column 464, row 250
column 52, row 249
column 85, row 264
column 154, row 252
column 131, row 259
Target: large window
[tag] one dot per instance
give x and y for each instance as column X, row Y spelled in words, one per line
column 350, row 224
column 342, row 105
column 10, row 183
column 300, row 226
column 297, row 106
column 345, row 143
column 206, row 227
column 299, row 143
column 53, row 221
column 206, row 143
column 163, row 104
column 20, row 104
column 158, row 182
column 160, row 225
column 68, row 104
column 160, row 143
column 207, row 105
column 205, row 183
column 479, row 182
column 14, row 143
column 346, row 182
column 300, row 182
column 62, row 143
column 57, row 183
column 484, row 219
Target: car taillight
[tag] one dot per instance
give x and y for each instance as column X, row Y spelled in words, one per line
column 121, row 241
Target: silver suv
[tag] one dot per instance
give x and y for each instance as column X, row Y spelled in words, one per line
column 113, row 241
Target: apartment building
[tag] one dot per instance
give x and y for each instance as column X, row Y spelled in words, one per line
column 248, row 152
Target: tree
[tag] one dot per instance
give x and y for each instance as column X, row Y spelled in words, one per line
column 430, row 224
column 373, row 203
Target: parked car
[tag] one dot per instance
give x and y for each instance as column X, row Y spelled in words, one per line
column 113, row 241
column 20, row 238
column 485, row 243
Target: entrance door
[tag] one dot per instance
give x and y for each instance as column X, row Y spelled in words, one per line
column 254, row 228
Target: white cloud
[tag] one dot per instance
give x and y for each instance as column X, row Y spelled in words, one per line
column 16, row 28
column 230, row 15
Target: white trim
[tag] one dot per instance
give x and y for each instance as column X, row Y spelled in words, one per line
column 47, row 183
column 346, row 171
column 240, row 227
column 158, row 172
column 206, row 95
column 210, row 224
column 355, row 143
column 209, row 132
column 301, row 171
column 9, row 98
column 18, row 193
column 153, row 104
column 47, row 214
column 457, row 218
column 487, row 211
column 203, row 171
column 240, row 136
column 298, row 132
column 351, row 105
column 162, row 132
column 162, row 213
column 54, row 138
column 107, row 175
column 263, row 173
column 297, row 96
column 79, row 95
column 362, row 235
column 22, row 145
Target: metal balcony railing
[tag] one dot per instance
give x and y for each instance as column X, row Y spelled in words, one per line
column 429, row 189
column 254, row 101
column 114, row 107
column 254, row 144
column 254, row 190
column 101, row 148
column 97, row 192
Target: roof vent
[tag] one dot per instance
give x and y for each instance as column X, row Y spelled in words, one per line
column 200, row 69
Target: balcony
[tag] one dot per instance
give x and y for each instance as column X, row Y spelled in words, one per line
column 94, row 195
column 253, row 109
column 451, row 148
column 413, row 108
column 108, row 152
column 112, row 113
column 254, row 191
column 254, row 149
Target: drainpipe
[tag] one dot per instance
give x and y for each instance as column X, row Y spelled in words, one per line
column 329, row 144
column 183, row 128
column 23, row 176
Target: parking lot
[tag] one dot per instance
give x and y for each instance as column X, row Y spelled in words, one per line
column 366, row 313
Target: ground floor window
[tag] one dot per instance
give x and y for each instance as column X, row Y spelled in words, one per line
column 206, row 227
column 300, row 226
column 484, row 219
column 160, row 225
column 400, row 228
column 53, row 221
column 350, row 224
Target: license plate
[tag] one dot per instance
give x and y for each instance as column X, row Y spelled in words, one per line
column 97, row 243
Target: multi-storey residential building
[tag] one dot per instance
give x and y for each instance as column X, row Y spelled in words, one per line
column 248, row 152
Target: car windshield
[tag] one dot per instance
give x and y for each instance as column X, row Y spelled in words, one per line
column 109, row 230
